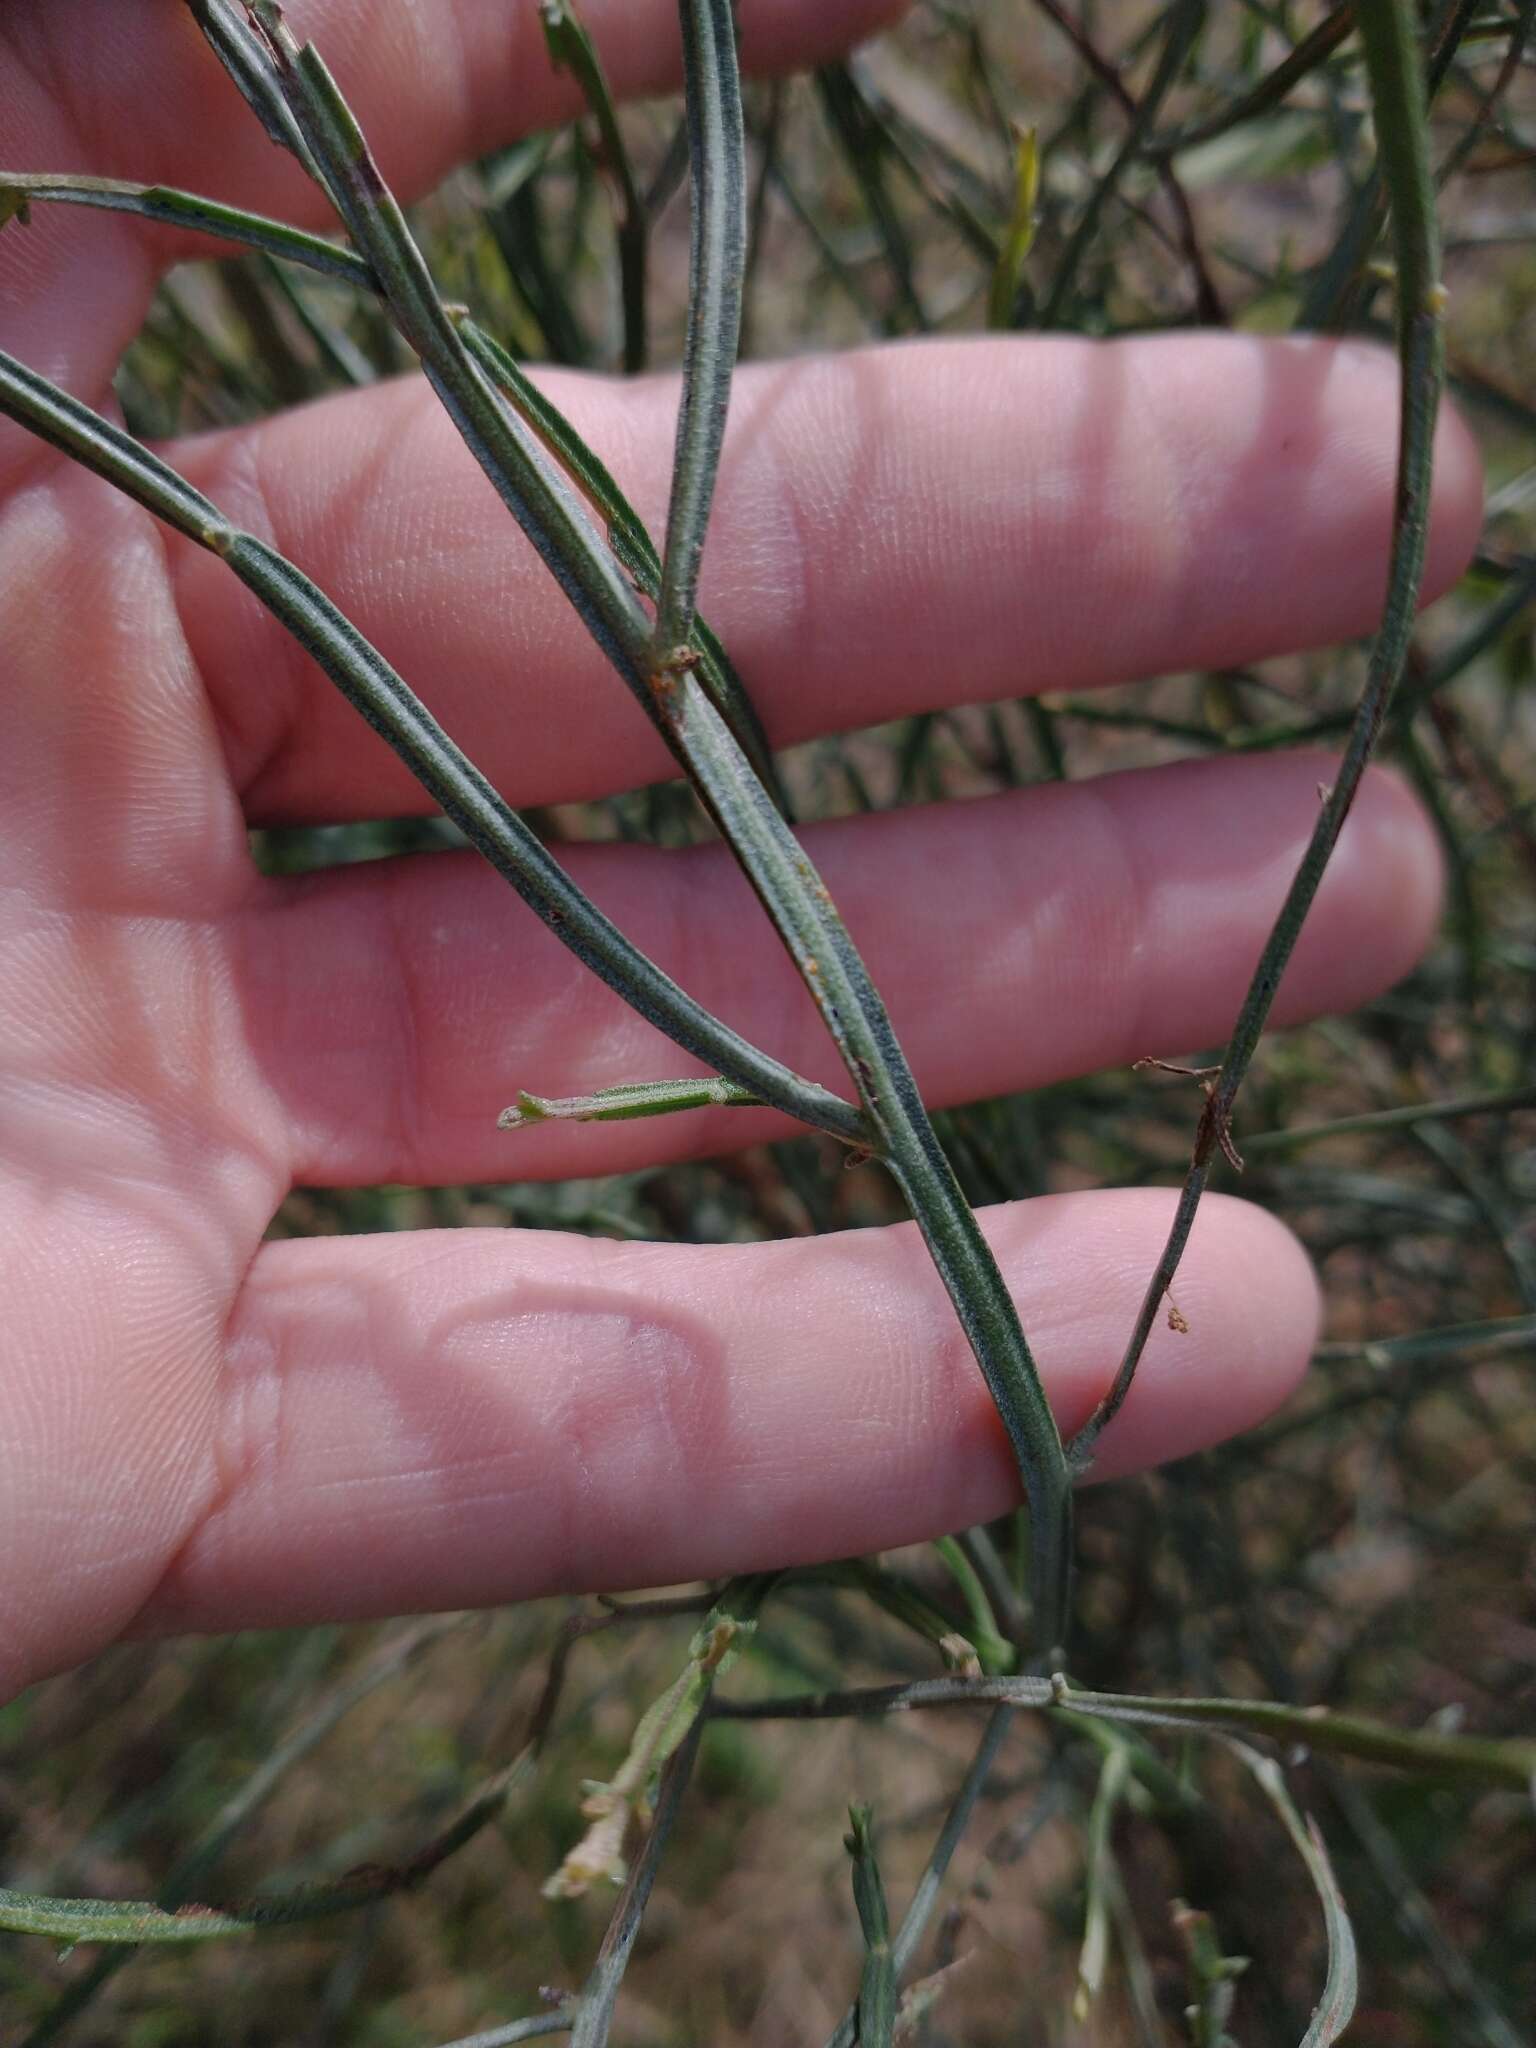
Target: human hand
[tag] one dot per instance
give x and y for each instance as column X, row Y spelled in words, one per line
column 202, row 1430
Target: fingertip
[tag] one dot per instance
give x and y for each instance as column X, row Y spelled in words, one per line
column 1244, row 1315
column 1379, row 904
column 1456, row 515
column 1364, row 411
column 788, row 35
column 1405, row 844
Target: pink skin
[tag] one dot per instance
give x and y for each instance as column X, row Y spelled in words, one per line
column 198, row 1430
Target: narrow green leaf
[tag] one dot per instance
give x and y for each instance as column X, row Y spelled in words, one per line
column 186, row 210
column 245, row 56
column 1093, row 1957
column 130, row 1920
column 623, row 1104
column 1213, row 1977
column 861, row 136
column 1008, row 276
column 919, row 1912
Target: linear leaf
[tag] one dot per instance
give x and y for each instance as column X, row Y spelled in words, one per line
column 717, row 154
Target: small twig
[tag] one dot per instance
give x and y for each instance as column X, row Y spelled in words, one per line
column 594, row 2010
column 926, row 1896
column 1472, row 1759
column 1388, row 28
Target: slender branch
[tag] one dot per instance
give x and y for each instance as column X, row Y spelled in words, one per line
column 1313, row 50
column 1481, row 1760
column 1186, row 18
column 1496, row 1102
column 594, row 2012
column 929, row 1885
column 786, row 884
column 1388, row 29
column 534, row 2028
column 1207, row 299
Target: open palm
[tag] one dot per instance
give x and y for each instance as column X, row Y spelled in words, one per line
column 202, row 1430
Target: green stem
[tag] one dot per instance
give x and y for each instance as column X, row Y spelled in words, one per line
column 786, row 884
column 1470, row 1759
column 1497, row 1103
column 717, row 154
column 877, row 1983
column 1388, row 30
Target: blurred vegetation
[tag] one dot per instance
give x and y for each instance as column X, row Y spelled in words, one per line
column 1371, row 1548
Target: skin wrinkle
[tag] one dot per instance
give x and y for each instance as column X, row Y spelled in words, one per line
column 648, row 1401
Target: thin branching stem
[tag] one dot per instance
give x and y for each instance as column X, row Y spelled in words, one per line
column 1472, row 1759
column 1315, row 48
column 782, row 876
column 1388, row 30
column 571, row 49
column 1185, row 20
column 594, row 2012
column 926, row 1895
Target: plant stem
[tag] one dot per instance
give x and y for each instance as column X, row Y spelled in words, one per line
column 1388, row 30
column 786, row 884
column 1479, row 1760
column 717, row 155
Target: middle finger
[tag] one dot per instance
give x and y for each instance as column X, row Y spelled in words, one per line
column 398, row 1005
column 896, row 530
